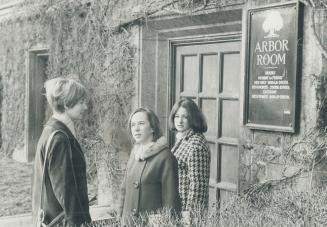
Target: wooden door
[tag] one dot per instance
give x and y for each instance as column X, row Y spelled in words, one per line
column 210, row 75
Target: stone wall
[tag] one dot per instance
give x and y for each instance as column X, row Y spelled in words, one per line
column 264, row 154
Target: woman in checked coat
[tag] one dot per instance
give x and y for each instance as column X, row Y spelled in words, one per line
column 192, row 153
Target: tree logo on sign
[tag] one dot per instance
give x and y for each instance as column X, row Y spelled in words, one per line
column 272, row 24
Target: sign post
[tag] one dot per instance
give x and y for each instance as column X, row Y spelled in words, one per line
column 273, row 67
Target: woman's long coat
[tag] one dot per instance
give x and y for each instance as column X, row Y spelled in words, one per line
column 193, row 156
column 65, row 186
column 150, row 184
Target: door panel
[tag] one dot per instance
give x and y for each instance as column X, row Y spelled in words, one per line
column 209, row 107
column 229, row 112
column 230, row 72
column 228, row 156
column 214, row 161
column 210, row 75
column 189, row 73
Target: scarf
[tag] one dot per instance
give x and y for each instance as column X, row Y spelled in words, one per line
column 143, row 152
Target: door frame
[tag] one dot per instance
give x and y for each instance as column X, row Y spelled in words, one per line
column 180, row 41
column 158, row 35
column 33, row 77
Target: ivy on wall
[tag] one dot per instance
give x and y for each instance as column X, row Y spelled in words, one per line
column 81, row 42
column 83, row 39
column 15, row 39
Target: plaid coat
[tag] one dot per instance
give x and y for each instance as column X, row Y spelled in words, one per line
column 193, row 156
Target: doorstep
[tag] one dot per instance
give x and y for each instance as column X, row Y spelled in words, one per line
column 25, row 220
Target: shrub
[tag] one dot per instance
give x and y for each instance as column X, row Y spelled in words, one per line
column 276, row 208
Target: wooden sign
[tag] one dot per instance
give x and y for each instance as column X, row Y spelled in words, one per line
column 273, row 67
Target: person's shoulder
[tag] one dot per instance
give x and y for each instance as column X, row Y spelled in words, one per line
column 60, row 136
column 54, row 124
column 198, row 143
column 165, row 153
column 58, row 143
column 167, row 157
column 196, row 138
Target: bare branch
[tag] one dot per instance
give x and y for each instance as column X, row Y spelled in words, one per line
column 312, row 3
column 316, row 36
column 323, row 3
column 163, row 7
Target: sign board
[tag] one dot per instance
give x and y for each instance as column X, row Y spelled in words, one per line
column 273, row 67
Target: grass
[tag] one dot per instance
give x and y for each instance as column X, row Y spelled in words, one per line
column 15, row 187
column 283, row 207
column 275, row 208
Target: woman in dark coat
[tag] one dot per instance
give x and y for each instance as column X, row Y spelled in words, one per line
column 64, row 186
column 193, row 155
column 151, row 181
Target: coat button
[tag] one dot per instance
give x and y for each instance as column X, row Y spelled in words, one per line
column 134, row 211
column 136, row 184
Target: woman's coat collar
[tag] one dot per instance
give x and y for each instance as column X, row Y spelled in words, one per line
column 155, row 148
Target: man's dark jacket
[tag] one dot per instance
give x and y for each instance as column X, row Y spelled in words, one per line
column 65, row 186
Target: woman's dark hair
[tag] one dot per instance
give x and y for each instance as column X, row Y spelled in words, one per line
column 153, row 120
column 196, row 118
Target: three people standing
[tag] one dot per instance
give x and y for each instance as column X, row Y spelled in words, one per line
column 156, row 177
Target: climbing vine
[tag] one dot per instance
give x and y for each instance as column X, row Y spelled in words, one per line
column 83, row 39
column 80, row 42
